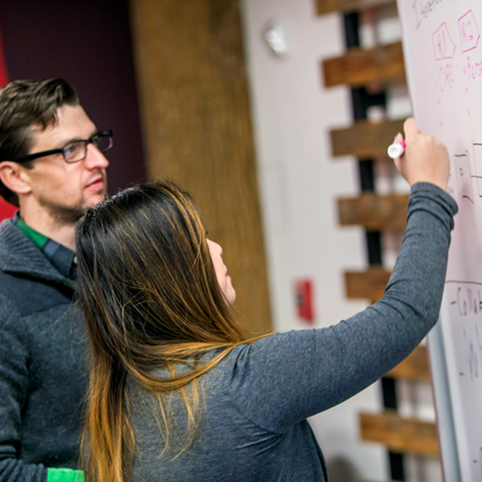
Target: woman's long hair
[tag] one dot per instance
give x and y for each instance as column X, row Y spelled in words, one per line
column 151, row 299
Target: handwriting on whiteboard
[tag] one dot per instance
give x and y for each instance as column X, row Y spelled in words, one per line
column 469, row 32
column 474, row 354
column 466, row 301
column 444, row 50
column 464, row 175
column 423, row 8
column 443, row 45
column 465, row 180
column 474, row 69
column 446, row 77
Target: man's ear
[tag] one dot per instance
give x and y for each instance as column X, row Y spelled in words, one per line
column 14, row 177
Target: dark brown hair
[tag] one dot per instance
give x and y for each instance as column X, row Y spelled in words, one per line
column 23, row 105
column 151, row 299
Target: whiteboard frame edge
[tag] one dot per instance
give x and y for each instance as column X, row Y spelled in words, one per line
column 443, row 406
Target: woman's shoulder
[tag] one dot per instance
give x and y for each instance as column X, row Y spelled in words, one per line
column 263, row 356
column 245, row 361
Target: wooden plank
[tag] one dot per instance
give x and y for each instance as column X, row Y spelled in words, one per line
column 327, row 6
column 414, row 367
column 360, row 67
column 195, row 109
column 368, row 285
column 400, row 434
column 365, row 139
column 356, row 5
column 374, row 212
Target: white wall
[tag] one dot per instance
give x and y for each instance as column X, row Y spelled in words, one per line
column 299, row 184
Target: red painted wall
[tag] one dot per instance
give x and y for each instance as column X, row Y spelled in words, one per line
column 87, row 42
column 6, row 210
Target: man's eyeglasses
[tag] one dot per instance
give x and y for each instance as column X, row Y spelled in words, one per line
column 75, row 151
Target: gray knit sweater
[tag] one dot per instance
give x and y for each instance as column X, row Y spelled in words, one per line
column 42, row 363
column 255, row 402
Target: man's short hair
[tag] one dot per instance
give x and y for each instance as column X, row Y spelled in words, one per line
column 23, row 105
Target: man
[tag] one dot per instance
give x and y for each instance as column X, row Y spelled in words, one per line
column 51, row 167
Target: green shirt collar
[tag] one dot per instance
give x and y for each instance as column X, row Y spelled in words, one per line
column 63, row 258
column 37, row 238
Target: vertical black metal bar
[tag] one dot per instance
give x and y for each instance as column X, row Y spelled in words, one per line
column 351, row 22
column 366, row 173
column 396, row 461
column 374, row 248
column 389, row 394
column 361, row 101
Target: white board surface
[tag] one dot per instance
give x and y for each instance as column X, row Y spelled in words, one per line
column 443, row 57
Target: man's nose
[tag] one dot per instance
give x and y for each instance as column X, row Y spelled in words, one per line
column 95, row 159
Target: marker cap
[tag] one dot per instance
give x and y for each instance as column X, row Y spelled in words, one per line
column 396, row 150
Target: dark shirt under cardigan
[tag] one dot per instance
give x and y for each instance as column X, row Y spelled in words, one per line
column 254, row 404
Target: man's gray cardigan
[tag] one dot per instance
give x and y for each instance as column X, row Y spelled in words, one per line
column 42, row 363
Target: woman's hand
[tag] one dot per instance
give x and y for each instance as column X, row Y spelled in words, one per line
column 425, row 159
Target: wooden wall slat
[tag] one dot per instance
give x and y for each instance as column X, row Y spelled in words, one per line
column 400, row 434
column 374, row 212
column 414, row 367
column 362, row 66
column 354, row 5
column 196, row 117
column 326, row 6
column 367, row 285
column 365, row 139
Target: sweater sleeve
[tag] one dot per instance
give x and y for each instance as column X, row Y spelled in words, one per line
column 14, row 381
column 285, row 378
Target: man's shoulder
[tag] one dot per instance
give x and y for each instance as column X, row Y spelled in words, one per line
column 29, row 285
column 20, row 258
column 28, row 296
column 15, row 248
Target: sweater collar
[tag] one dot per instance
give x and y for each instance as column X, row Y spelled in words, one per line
column 63, row 258
column 19, row 255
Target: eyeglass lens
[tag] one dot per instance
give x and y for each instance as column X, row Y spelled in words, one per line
column 103, row 142
column 76, row 151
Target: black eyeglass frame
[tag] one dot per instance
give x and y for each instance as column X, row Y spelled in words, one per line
column 31, row 157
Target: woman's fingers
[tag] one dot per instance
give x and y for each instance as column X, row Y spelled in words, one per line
column 425, row 159
column 398, row 138
column 410, row 128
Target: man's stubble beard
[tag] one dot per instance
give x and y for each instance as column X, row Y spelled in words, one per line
column 67, row 216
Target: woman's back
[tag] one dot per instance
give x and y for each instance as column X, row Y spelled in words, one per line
column 234, row 440
column 254, row 402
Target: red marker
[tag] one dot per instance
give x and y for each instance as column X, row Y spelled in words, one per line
column 396, row 150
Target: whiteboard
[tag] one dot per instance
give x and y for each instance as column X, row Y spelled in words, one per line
column 443, row 57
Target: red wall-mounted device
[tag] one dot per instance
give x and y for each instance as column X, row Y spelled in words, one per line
column 304, row 300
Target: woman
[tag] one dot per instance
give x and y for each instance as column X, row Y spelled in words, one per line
column 178, row 394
